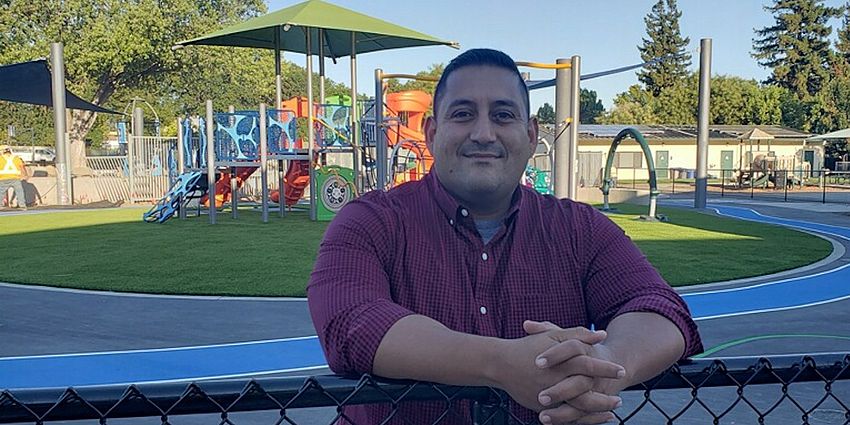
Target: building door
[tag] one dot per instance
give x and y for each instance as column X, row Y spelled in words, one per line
column 727, row 162
column 809, row 156
column 662, row 162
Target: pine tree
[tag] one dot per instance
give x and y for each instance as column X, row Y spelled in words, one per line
column 665, row 40
column 843, row 44
column 797, row 46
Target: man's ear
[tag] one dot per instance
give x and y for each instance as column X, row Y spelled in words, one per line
column 430, row 130
column 533, row 130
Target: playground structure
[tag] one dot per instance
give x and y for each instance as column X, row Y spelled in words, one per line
column 765, row 168
column 224, row 150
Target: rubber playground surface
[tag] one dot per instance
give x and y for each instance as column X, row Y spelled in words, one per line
column 124, row 339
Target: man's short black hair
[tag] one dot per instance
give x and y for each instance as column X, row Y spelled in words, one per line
column 481, row 57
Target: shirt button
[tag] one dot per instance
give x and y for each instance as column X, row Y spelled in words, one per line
column 451, row 222
column 483, row 310
column 464, row 212
column 484, row 256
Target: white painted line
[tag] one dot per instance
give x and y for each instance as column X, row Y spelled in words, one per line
column 37, row 287
column 160, row 350
column 768, row 310
column 790, row 279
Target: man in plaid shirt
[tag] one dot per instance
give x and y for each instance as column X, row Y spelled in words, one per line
column 468, row 278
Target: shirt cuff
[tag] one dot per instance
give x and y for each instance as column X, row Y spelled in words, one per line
column 367, row 330
column 675, row 312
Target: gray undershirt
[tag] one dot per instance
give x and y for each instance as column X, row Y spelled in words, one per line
column 488, row 228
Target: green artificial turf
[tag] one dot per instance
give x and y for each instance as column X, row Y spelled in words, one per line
column 696, row 248
column 114, row 250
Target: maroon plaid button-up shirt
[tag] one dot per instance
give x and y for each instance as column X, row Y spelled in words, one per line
column 415, row 250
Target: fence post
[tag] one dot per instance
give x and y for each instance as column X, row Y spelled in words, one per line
column 674, row 181
column 785, row 179
column 823, row 185
column 752, row 184
column 722, row 182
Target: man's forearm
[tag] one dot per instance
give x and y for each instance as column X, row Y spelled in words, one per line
column 645, row 344
column 418, row 347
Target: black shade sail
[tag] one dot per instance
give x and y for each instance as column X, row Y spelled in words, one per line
column 30, row 82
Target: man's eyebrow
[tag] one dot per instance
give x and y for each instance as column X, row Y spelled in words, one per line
column 506, row 102
column 460, row 102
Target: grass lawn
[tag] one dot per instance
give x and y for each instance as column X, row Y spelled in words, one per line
column 114, row 250
column 699, row 248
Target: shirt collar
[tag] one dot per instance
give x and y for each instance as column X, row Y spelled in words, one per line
column 453, row 210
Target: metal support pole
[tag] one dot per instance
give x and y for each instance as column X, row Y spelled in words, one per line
column 277, row 58
column 380, row 140
column 210, row 161
column 572, row 139
column 138, row 130
column 281, row 182
column 310, row 135
column 234, row 194
column 355, row 118
column 702, row 123
column 264, row 157
column 63, row 159
column 321, row 66
column 561, row 168
column 181, row 157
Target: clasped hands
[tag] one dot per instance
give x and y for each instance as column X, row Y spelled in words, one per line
column 565, row 374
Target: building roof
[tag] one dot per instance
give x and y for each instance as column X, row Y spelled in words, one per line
column 651, row 132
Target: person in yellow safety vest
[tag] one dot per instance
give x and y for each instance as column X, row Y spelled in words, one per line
column 12, row 172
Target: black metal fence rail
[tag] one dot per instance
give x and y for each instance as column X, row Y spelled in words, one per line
column 823, row 396
column 823, row 186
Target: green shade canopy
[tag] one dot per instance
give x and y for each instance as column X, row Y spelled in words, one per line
column 338, row 23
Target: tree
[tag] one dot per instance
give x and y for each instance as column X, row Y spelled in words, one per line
column 842, row 45
column 665, row 40
column 734, row 101
column 589, row 107
column 796, row 47
column 111, row 45
column 433, row 71
column 546, row 114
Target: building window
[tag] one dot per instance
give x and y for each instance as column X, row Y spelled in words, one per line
column 628, row 159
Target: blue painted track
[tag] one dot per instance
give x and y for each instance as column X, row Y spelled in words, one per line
column 302, row 354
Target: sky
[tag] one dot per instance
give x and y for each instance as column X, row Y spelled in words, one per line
column 605, row 33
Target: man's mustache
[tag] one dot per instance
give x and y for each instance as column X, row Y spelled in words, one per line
column 474, row 150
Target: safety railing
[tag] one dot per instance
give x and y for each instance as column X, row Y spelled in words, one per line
column 781, row 389
column 110, row 177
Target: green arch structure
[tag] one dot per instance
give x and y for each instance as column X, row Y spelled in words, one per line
column 653, row 183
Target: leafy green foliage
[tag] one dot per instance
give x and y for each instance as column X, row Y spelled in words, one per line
column 116, row 50
column 796, row 47
column 665, row 40
column 733, row 101
column 589, row 107
column 546, row 114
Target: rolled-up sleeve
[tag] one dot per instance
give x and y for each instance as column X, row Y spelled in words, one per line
column 619, row 279
column 349, row 291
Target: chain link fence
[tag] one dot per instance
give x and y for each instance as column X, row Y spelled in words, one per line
column 774, row 390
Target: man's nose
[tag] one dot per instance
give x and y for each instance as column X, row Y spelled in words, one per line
column 483, row 130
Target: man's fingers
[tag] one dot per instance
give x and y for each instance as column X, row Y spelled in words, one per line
column 596, row 418
column 575, row 358
column 566, row 414
column 594, row 402
column 567, row 389
column 531, row 327
column 581, row 333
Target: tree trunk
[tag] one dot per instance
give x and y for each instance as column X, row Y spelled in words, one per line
column 80, row 124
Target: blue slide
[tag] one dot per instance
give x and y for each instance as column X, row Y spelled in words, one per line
column 188, row 186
